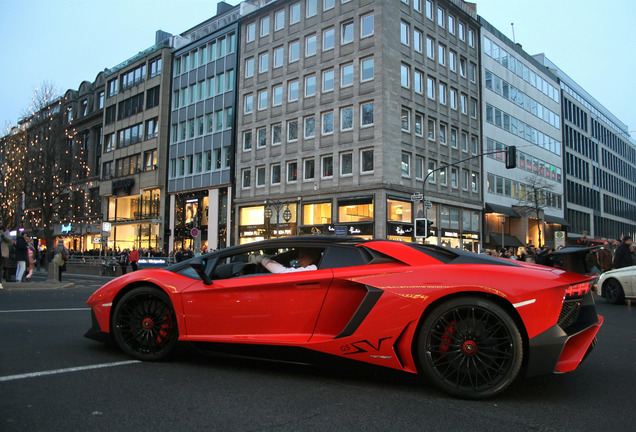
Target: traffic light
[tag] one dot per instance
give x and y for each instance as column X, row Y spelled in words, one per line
column 511, row 157
column 422, row 227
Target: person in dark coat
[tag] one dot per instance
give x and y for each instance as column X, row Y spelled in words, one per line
column 21, row 256
column 605, row 258
column 623, row 256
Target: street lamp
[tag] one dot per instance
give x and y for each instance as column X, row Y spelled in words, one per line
column 277, row 206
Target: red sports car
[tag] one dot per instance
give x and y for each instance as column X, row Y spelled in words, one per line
column 470, row 323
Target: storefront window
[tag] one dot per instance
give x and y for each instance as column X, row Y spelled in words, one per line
column 355, row 210
column 399, row 211
column 252, row 215
column 317, row 214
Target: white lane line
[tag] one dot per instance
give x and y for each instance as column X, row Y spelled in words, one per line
column 45, row 310
column 67, row 370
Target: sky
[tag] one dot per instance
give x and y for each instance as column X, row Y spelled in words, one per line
column 65, row 42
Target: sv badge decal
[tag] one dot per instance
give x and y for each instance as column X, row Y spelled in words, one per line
column 363, row 346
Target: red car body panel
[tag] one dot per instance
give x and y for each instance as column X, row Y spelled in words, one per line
column 365, row 312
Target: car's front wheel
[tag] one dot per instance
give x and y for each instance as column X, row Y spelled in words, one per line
column 470, row 347
column 613, row 291
column 144, row 324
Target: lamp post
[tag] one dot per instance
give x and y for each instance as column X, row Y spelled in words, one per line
column 277, row 206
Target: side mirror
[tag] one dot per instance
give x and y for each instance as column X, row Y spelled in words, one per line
column 199, row 268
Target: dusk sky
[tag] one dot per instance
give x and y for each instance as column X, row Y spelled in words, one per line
column 68, row 41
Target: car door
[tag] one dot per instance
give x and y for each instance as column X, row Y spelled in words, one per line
column 257, row 308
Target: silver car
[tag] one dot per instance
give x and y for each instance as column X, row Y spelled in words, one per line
column 618, row 285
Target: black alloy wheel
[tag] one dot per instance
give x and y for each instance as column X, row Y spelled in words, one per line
column 144, row 324
column 613, row 291
column 470, row 348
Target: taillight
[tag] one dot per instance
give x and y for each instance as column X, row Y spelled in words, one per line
column 577, row 290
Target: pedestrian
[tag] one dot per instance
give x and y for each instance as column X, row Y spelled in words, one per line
column 60, row 262
column 5, row 245
column 591, row 262
column 21, row 256
column 623, row 257
column 134, row 258
column 605, row 258
column 123, row 261
column 32, row 259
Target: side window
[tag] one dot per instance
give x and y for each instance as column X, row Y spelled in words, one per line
column 342, row 256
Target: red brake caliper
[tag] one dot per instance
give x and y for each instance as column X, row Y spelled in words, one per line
column 447, row 338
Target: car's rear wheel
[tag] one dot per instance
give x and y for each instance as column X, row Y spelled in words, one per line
column 144, row 324
column 470, row 347
column 613, row 291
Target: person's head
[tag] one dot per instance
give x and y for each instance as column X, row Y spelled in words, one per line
column 627, row 240
column 308, row 256
column 60, row 242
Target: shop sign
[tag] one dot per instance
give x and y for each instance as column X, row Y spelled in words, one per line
column 67, row 228
column 451, row 234
column 341, row 230
column 470, row 236
column 152, row 262
column 404, row 230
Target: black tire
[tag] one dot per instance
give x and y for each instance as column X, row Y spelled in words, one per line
column 470, row 348
column 613, row 291
column 144, row 324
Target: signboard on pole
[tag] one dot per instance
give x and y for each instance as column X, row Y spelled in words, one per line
column 559, row 239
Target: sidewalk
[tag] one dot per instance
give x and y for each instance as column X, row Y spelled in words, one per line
column 36, row 285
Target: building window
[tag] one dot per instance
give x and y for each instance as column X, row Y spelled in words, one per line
column 440, row 17
column 292, row 172
column 453, row 99
column 260, row 176
column 263, row 63
column 261, row 136
column 453, row 138
column 152, row 128
column 474, row 182
column 277, row 95
column 366, row 69
column 311, row 8
column 442, row 133
column 366, row 114
column 441, row 55
column 262, row 99
column 310, row 85
column 279, row 57
column 308, row 170
column 328, row 37
column 310, row 46
column 347, row 32
column 442, row 177
column 454, row 179
column 442, row 93
column 406, row 120
column 249, row 68
column 430, row 48
column 275, row 174
column 418, row 84
column 247, row 141
column 310, row 127
column 249, row 104
column 405, row 31
column 431, row 129
column 327, row 123
column 405, row 74
column 451, row 24
column 346, row 75
column 431, row 172
column 430, row 88
column 327, row 166
column 419, row 125
column 293, row 90
column 346, row 118
column 406, row 165
column 327, row 80
column 277, row 134
column 418, row 39
column 366, row 161
column 294, row 51
column 279, row 20
column 346, row 164
column 419, row 168
column 250, row 32
column 294, row 14
column 247, row 178
column 464, row 141
column 366, row 26
column 292, row 130
column 264, row 26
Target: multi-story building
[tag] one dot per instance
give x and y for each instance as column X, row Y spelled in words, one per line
column 201, row 157
column 83, row 117
column 521, row 106
column 600, row 165
column 136, row 130
column 345, row 106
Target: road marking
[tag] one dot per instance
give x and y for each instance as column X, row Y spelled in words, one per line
column 67, row 370
column 45, row 310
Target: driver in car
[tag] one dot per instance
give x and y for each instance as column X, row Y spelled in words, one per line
column 307, row 259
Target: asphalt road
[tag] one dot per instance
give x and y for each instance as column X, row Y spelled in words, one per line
column 52, row 378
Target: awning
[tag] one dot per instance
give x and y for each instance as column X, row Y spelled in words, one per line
column 555, row 220
column 509, row 241
column 496, row 208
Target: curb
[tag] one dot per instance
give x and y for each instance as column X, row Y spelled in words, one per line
column 9, row 286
